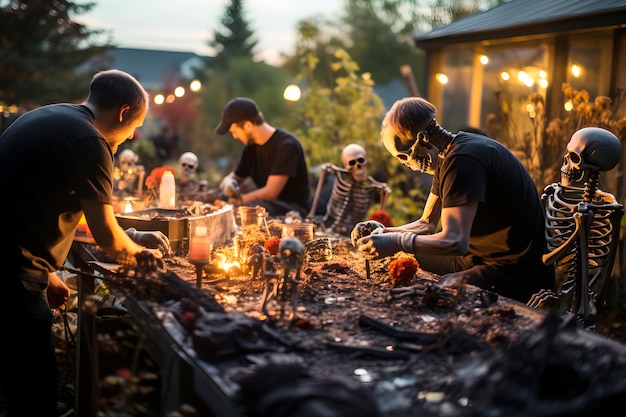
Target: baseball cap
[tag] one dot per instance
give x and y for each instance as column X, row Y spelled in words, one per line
column 237, row 110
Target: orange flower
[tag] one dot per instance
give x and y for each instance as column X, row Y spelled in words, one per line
column 402, row 270
column 272, row 245
column 382, row 216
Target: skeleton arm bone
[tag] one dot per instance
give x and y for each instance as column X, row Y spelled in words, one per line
column 326, row 168
column 557, row 253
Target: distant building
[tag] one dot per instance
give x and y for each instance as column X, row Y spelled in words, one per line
column 153, row 68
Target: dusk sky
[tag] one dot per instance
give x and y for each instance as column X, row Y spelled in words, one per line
column 187, row 25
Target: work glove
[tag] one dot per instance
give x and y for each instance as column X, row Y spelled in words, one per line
column 382, row 245
column 231, row 191
column 363, row 229
column 151, row 240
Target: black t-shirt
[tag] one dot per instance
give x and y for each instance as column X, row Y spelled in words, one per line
column 51, row 158
column 282, row 154
column 510, row 220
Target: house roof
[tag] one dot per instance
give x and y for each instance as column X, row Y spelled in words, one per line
column 151, row 67
column 525, row 18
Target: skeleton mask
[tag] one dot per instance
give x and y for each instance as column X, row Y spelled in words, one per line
column 354, row 159
column 188, row 164
column 127, row 160
column 291, row 252
column 589, row 150
column 418, row 155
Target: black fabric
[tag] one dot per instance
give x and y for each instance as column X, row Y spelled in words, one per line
column 282, row 154
column 67, row 160
column 508, row 233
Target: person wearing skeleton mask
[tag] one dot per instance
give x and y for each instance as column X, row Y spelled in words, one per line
column 69, row 150
column 272, row 157
column 492, row 223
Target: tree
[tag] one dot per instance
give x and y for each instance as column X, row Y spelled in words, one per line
column 235, row 40
column 43, row 52
column 380, row 36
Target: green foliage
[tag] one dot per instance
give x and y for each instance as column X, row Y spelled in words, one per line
column 233, row 73
column 326, row 119
column 380, row 36
column 41, row 48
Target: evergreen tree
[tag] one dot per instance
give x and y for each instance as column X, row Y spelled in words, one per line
column 235, row 40
column 41, row 51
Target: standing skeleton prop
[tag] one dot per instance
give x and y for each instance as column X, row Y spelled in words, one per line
column 353, row 191
column 128, row 176
column 582, row 226
column 290, row 257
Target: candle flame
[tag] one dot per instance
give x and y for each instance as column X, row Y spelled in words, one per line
column 225, row 264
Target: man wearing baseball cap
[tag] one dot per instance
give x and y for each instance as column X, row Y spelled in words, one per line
column 272, row 158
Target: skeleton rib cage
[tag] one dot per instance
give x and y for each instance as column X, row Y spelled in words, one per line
column 582, row 232
column 350, row 199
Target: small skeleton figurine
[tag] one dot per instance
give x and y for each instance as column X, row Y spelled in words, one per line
column 291, row 257
column 188, row 187
column 353, row 191
column 128, row 176
column 582, row 226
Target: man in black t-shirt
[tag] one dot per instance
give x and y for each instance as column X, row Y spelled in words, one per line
column 272, row 158
column 56, row 164
column 492, row 232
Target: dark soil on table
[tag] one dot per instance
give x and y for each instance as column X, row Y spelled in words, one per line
column 475, row 332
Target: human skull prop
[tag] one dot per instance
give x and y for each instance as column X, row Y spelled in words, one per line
column 354, row 159
column 188, row 162
column 589, row 150
column 127, row 159
column 291, row 252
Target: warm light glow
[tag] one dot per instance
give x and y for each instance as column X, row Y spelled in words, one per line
column 576, row 70
column 484, row 59
column 225, row 264
column 128, row 208
column 543, row 75
column 292, row 93
column 179, row 91
column 530, row 108
column 505, row 76
column 170, row 98
column 159, row 99
column 442, row 78
column 195, row 85
column 543, row 83
column 568, row 105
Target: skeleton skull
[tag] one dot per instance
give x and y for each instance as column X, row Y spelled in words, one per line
column 127, row 160
column 354, row 159
column 291, row 252
column 590, row 149
column 188, row 164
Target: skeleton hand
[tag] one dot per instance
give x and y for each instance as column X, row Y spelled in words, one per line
column 151, row 240
column 382, row 245
column 363, row 229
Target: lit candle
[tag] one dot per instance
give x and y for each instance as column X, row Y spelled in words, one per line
column 200, row 246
